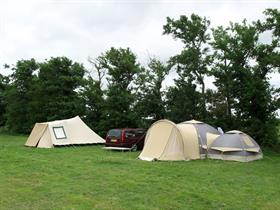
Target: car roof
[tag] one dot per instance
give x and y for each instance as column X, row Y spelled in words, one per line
column 128, row 129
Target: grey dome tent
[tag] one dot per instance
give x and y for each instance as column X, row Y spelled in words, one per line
column 235, row 145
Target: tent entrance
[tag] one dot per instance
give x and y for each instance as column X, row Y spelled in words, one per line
column 36, row 134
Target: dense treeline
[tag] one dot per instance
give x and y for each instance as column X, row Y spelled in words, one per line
column 123, row 93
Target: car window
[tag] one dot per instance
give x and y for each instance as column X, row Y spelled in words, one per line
column 114, row 133
column 129, row 134
column 139, row 133
column 134, row 133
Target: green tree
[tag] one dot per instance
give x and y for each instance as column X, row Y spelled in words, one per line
column 150, row 96
column 121, row 67
column 94, row 95
column 58, row 92
column 242, row 65
column 217, row 107
column 272, row 22
column 182, row 101
column 194, row 59
column 3, row 103
column 232, row 52
column 19, row 96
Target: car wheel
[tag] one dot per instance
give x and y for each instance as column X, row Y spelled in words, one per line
column 134, row 148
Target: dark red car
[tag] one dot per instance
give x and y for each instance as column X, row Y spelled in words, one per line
column 126, row 138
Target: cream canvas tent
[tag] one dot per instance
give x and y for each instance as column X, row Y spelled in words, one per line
column 235, row 145
column 62, row 132
column 166, row 140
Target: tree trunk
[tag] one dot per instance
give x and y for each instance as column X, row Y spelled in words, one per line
column 204, row 112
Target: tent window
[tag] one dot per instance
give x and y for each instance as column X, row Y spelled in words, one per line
column 59, row 132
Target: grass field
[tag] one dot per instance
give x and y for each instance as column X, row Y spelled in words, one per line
column 90, row 178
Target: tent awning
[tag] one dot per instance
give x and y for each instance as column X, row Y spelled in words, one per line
column 254, row 149
column 227, row 149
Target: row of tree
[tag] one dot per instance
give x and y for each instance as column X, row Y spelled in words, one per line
column 125, row 94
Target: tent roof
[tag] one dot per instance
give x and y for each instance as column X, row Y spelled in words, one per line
column 235, row 141
column 192, row 122
column 60, row 121
column 163, row 120
column 235, row 131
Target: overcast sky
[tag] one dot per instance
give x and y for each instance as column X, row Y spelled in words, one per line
column 78, row 29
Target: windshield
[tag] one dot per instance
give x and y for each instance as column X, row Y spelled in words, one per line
column 114, row 133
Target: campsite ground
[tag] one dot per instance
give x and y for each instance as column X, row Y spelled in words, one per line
column 88, row 177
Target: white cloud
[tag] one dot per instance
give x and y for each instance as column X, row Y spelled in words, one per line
column 79, row 29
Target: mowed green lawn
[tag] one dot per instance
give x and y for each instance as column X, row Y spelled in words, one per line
column 88, row 177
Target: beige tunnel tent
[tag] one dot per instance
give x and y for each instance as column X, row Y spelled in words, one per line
column 166, row 140
column 235, row 145
column 62, row 132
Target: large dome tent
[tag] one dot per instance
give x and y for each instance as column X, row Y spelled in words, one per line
column 235, row 145
column 163, row 141
column 166, row 140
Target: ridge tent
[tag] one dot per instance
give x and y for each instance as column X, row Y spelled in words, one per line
column 62, row 132
column 235, row 145
column 166, row 140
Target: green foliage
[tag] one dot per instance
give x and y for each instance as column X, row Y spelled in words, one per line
column 117, row 110
column 244, row 84
column 240, row 64
column 57, row 92
column 19, row 96
column 272, row 22
column 191, row 31
column 3, row 102
column 218, row 111
column 43, row 92
column 194, row 60
column 93, row 96
column 121, row 67
column 183, row 101
column 150, row 96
